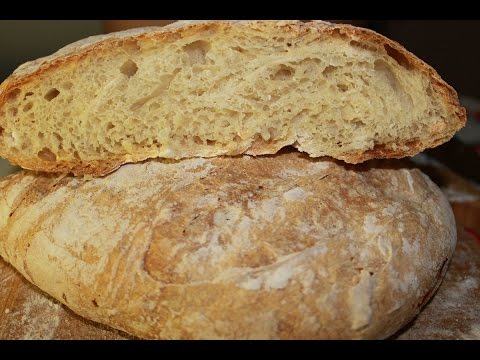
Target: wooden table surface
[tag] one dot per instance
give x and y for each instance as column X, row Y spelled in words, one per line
column 454, row 312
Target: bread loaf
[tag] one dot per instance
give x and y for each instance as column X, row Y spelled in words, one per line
column 209, row 88
column 273, row 247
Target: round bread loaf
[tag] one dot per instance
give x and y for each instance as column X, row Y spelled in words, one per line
column 276, row 247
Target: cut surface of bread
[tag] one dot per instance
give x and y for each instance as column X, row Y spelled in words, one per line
column 209, row 88
column 272, row 247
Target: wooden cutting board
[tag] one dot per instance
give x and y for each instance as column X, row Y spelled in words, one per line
column 454, row 313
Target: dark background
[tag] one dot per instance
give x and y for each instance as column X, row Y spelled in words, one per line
column 451, row 47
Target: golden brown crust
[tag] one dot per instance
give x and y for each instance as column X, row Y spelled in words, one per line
column 270, row 247
column 94, row 46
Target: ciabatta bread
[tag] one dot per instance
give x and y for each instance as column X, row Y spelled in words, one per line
column 280, row 247
column 208, row 88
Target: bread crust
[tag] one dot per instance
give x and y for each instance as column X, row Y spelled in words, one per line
column 96, row 45
column 273, row 247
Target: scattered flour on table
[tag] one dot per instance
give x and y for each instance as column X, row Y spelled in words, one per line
column 462, row 288
column 37, row 318
column 474, row 333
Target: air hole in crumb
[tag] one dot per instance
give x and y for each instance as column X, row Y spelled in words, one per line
column 342, row 87
column 40, row 135
column 12, row 96
column 28, row 94
column 364, row 46
column 1, row 130
column 153, row 106
column 51, row 94
column 400, row 58
column 239, row 49
column 211, row 142
column 329, row 70
column 383, row 68
column 283, row 73
column 110, row 126
column 340, row 33
column 359, row 124
column 197, row 51
column 57, row 135
column 272, row 132
column 47, row 155
column 13, row 111
column 94, row 302
column 131, row 46
column 129, row 68
column 197, row 140
column 28, row 106
column 75, row 155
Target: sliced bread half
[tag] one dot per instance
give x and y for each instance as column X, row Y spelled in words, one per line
column 209, row 88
